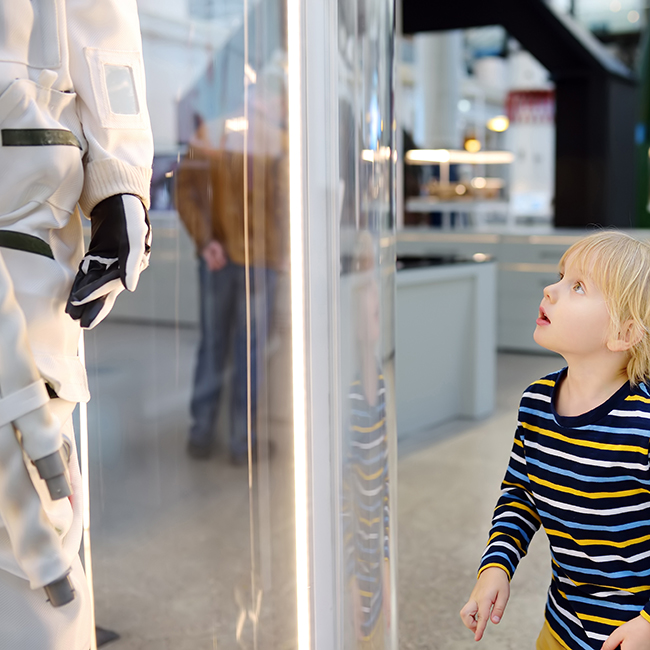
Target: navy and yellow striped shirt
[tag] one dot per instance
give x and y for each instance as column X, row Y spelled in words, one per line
column 586, row 479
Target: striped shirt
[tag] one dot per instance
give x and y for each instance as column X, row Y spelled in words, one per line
column 365, row 503
column 586, row 479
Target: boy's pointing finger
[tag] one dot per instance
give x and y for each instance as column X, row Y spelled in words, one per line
column 467, row 614
column 481, row 617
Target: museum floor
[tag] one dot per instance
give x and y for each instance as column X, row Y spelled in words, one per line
column 172, row 536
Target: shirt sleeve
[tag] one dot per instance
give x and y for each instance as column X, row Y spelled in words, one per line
column 107, row 71
column 645, row 612
column 515, row 519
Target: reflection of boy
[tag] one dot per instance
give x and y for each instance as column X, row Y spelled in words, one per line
column 579, row 463
column 366, row 488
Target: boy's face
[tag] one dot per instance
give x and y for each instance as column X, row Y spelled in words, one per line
column 573, row 317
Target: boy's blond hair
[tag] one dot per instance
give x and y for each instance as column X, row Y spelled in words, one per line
column 620, row 266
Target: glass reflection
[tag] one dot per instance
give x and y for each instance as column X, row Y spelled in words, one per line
column 190, row 421
column 191, row 447
column 234, row 309
column 367, row 204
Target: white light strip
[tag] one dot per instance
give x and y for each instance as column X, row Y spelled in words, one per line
column 294, row 75
column 428, row 156
column 85, row 491
column 379, row 155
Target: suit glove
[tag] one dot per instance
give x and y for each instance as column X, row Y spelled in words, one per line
column 119, row 250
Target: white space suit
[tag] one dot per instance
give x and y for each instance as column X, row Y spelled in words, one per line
column 74, row 130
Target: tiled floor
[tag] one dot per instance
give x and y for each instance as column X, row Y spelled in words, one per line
column 446, row 496
column 172, row 536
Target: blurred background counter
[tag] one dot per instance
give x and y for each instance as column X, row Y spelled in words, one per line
column 527, row 260
column 445, row 343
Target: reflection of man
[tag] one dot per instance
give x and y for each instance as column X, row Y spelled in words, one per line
column 210, row 200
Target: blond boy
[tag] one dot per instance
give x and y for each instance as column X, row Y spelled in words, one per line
column 579, row 464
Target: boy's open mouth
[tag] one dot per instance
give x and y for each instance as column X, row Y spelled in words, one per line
column 543, row 316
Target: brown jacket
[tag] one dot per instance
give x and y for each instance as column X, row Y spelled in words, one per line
column 210, row 201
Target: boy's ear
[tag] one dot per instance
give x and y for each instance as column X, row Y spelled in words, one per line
column 628, row 336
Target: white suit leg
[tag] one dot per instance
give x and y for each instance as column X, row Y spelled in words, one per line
column 25, row 418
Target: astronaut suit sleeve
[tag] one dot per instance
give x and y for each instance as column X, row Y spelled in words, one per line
column 107, row 73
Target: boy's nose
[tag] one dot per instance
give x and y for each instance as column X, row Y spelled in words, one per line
column 549, row 292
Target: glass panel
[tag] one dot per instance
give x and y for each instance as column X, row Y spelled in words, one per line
column 191, row 479
column 367, row 205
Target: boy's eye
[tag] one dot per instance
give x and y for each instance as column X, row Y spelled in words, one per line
column 560, row 276
column 578, row 288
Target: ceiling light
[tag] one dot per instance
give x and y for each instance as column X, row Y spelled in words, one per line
column 500, row 123
column 457, row 156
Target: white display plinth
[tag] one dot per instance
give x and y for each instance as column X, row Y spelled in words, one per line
column 445, row 344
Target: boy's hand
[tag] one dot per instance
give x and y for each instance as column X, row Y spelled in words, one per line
column 633, row 635
column 488, row 600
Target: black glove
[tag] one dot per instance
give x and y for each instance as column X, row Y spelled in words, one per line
column 119, row 250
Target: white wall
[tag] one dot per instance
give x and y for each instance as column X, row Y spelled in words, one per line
column 177, row 51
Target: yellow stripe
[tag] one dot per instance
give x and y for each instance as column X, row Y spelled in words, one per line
column 367, row 594
column 369, row 477
column 645, row 615
column 370, row 429
column 369, row 522
column 597, row 542
column 637, row 398
column 521, row 506
column 514, row 539
column 487, row 566
column 519, row 442
column 631, row 590
column 589, row 495
column 595, row 619
column 556, row 636
column 517, row 485
column 584, row 443
column 598, row 619
column 544, row 382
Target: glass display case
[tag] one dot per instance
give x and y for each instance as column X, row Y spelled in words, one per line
column 241, row 432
